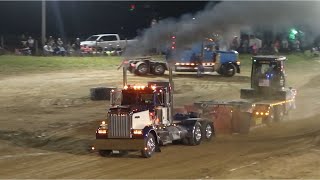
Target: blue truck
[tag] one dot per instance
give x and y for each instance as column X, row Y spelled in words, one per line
column 202, row 55
column 225, row 63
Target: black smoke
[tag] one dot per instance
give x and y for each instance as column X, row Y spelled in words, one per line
column 227, row 18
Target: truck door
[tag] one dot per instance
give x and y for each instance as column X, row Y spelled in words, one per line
column 108, row 41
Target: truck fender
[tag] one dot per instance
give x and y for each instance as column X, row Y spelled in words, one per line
column 189, row 124
column 149, row 129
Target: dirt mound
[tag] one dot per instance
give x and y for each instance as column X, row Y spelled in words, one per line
column 42, row 140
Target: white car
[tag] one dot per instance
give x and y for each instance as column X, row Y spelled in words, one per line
column 106, row 41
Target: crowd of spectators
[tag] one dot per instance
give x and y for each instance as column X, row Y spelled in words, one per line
column 244, row 44
column 254, row 45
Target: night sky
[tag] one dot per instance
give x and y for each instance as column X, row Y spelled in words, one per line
column 84, row 18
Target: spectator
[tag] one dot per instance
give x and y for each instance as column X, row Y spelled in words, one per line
column 254, row 49
column 198, row 61
column 47, row 50
column 77, row 46
column 31, row 45
column 276, row 46
column 59, row 42
column 23, row 41
column 297, row 44
column 51, row 42
column 285, row 44
column 245, row 45
column 235, row 43
column 60, row 51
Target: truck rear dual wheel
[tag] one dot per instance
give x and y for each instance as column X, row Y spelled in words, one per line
column 158, row 69
column 196, row 135
column 141, row 69
column 208, row 131
column 150, row 146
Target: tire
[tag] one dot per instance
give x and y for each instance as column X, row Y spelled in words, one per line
column 100, row 93
column 105, row 153
column 196, row 135
column 150, row 146
column 230, row 70
column 141, row 69
column 208, row 131
column 159, row 69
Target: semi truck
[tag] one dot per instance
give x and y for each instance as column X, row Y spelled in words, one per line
column 268, row 99
column 187, row 59
column 141, row 119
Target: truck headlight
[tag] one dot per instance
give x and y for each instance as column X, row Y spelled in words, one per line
column 238, row 63
column 137, row 131
column 102, row 131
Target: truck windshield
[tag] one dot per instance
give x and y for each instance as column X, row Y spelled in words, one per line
column 262, row 69
column 92, row 38
column 136, row 98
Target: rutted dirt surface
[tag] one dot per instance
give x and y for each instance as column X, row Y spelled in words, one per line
column 47, row 124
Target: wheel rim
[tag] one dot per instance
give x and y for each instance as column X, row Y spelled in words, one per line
column 208, row 131
column 142, row 69
column 197, row 133
column 158, row 69
column 151, row 146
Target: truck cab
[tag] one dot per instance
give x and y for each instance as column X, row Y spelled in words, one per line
column 140, row 118
column 226, row 63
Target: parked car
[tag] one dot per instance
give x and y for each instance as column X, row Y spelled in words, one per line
column 102, row 41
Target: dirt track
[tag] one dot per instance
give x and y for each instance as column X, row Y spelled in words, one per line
column 47, row 124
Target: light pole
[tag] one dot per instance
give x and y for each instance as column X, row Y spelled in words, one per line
column 43, row 23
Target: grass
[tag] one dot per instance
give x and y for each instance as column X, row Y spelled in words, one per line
column 28, row 64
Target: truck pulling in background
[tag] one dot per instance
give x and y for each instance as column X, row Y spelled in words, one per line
column 187, row 59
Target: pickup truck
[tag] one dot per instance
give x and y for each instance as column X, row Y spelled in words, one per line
column 103, row 41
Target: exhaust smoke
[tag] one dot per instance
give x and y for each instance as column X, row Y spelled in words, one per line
column 227, row 19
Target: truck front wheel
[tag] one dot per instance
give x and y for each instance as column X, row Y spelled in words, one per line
column 149, row 146
column 230, row 70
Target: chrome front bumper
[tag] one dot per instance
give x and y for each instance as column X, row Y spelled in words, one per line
column 118, row 144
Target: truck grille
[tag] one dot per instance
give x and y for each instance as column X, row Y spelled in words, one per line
column 119, row 126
